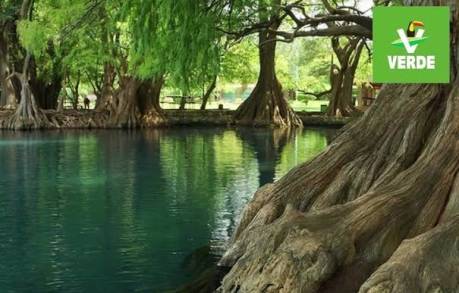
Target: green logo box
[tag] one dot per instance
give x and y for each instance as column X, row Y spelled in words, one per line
column 411, row 45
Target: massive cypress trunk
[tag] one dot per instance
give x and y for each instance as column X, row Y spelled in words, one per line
column 149, row 100
column 377, row 211
column 342, row 77
column 138, row 103
column 267, row 105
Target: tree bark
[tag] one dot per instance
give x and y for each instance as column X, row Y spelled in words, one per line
column 138, row 103
column 342, row 77
column 210, row 89
column 149, row 94
column 106, row 102
column 376, row 208
column 266, row 105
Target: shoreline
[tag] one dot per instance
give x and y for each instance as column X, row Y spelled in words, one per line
column 90, row 119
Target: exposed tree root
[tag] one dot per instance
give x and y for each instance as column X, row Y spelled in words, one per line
column 28, row 115
column 427, row 263
column 267, row 108
column 328, row 224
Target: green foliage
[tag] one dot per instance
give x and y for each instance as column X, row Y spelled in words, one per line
column 177, row 37
column 33, row 36
column 240, row 63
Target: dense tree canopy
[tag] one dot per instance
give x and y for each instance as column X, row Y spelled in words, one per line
column 123, row 51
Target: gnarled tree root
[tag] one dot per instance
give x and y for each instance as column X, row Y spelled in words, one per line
column 330, row 223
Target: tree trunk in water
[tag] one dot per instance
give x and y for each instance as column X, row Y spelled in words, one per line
column 208, row 92
column 266, row 105
column 138, row 103
column 342, row 77
column 341, row 222
column 28, row 115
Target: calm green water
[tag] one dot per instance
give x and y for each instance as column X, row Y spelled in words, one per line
column 116, row 211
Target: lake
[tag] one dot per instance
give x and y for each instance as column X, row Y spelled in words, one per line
column 121, row 211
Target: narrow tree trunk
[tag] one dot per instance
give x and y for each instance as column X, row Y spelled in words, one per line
column 377, row 211
column 210, row 89
column 182, row 102
column 8, row 98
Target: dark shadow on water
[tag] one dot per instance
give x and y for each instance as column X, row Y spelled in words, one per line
column 206, row 275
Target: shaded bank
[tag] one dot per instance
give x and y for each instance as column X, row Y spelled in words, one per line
column 90, row 119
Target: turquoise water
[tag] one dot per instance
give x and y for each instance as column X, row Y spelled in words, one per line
column 117, row 211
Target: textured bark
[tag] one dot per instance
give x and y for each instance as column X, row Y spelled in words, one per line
column 9, row 95
column 328, row 224
column 138, row 104
column 210, row 89
column 266, row 105
column 342, row 77
column 127, row 112
column 149, row 94
column 28, row 114
column 376, row 211
column 106, row 100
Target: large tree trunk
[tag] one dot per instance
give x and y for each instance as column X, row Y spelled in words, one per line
column 377, row 211
column 138, row 103
column 28, row 114
column 266, row 105
column 149, row 94
column 342, row 77
column 210, row 89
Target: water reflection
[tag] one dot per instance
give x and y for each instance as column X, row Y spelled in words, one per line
column 116, row 211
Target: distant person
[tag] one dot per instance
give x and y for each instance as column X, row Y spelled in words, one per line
column 86, row 102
